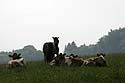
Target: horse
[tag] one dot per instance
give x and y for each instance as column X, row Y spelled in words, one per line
column 50, row 49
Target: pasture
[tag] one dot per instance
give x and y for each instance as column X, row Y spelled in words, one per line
column 38, row 72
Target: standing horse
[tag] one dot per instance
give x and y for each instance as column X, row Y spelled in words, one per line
column 50, row 49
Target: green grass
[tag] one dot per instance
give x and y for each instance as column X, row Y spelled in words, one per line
column 38, row 72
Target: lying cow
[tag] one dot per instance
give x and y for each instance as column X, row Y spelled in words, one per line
column 96, row 61
column 93, row 61
column 78, row 61
column 62, row 59
column 17, row 61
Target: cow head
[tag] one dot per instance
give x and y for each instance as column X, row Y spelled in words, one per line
column 15, row 56
column 74, row 56
column 101, row 54
column 100, row 60
column 60, row 59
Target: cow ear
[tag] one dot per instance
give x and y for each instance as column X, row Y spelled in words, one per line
column 71, row 57
column 10, row 55
column 98, row 54
column 19, row 54
column 103, row 54
column 60, row 54
column 53, row 37
column 76, row 55
column 58, row 37
column 64, row 54
column 71, row 54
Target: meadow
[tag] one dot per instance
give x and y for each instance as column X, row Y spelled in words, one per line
column 38, row 72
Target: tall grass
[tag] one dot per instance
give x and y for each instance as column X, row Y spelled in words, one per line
column 38, row 72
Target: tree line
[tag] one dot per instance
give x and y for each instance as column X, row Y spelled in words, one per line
column 114, row 42
column 29, row 52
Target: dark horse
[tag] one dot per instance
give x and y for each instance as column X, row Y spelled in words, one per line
column 50, row 49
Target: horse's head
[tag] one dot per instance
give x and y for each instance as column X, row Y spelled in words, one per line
column 56, row 40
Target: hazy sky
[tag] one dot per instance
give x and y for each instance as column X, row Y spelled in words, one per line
column 34, row 22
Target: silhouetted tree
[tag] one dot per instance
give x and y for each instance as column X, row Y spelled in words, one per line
column 114, row 42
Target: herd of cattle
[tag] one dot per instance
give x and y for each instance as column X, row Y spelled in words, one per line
column 50, row 49
column 62, row 59
column 75, row 60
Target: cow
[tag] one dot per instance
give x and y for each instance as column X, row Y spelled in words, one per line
column 63, row 59
column 58, row 59
column 17, row 61
column 100, row 60
column 95, row 61
column 75, row 60
column 50, row 49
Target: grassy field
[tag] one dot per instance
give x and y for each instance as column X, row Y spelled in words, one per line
column 38, row 72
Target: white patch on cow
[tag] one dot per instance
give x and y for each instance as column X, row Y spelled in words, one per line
column 68, row 61
column 10, row 62
column 52, row 62
column 85, row 62
column 55, row 55
column 19, row 61
column 102, row 57
column 91, row 59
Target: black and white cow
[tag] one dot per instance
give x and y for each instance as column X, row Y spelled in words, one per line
column 78, row 61
column 17, row 61
column 63, row 59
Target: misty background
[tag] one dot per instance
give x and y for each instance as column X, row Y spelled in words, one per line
column 34, row 22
